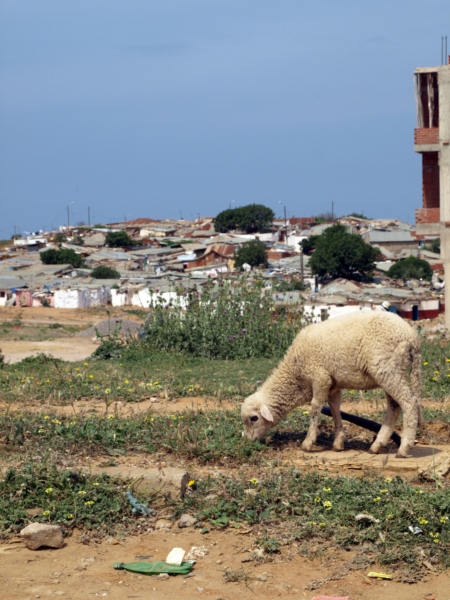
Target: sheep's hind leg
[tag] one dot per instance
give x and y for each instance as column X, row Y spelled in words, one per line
column 384, row 435
column 320, row 396
column 334, row 402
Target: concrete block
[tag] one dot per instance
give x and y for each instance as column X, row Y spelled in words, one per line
column 168, row 480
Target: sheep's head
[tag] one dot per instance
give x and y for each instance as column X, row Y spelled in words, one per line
column 256, row 416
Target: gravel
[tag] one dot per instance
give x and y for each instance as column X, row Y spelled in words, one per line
column 126, row 326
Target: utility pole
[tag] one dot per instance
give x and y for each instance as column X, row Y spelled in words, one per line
column 332, row 211
column 68, row 216
column 89, row 215
column 285, row 225
column 302, row 273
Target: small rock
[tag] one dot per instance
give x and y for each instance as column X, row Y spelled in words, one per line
column 34, row 512
column 163, row 524
column 42, row 534
column 187, row 521
column 200, row 589
column 197, row 552
column 250, row 492
column 438, row 468
column 163, row 576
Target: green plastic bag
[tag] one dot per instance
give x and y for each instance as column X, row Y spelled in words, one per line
column 153, row 568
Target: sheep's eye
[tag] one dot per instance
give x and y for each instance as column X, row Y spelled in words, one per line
column 254, row 418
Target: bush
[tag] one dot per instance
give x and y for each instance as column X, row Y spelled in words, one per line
column 411, row 268
column 309, row 244
column 62, row 256
column 251, row 219
column 105, row 272
column 117, row 239
column 339, row 253
column 254, row 253
column 229, row 320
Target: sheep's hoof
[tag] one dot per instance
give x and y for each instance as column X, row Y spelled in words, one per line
column 401, row 455
column 373, row 450
column 306, row 447
column 338, row 448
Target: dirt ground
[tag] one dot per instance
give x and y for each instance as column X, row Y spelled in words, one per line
column 84, row 571
column 66, row 347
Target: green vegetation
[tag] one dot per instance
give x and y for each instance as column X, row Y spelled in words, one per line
column 411, row 268
column 250, row 219
column 105, row 272
column 69, row 499
column 62, row 256
column 118, row 239
column 359, row 216
column 233, row 319
column 309, row 244
column 339, row 253
column 434, row 246
column 59, row 238
column 254, row 253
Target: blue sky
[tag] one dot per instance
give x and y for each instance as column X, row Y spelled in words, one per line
column 157, row 109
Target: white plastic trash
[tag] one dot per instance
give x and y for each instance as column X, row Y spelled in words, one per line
column 175, row 556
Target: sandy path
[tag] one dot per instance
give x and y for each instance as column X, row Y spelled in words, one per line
column 70, row 348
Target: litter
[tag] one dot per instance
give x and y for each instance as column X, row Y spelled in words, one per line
column 415, row 530
column 154, row 568
column 139, row 508
column 331, row 598
column 379, row 575
column 175, row 556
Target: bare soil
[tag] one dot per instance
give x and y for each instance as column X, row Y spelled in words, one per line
column 65, row 346
column 83, row 571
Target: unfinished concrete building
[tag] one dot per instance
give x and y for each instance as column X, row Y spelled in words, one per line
column 432, row 141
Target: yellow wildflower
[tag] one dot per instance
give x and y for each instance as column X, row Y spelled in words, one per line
column 46, row 417
column 91, row 377
column 387, row 479
column 82, row 493
column 41, row 430
column 425, row 364
column 49, row 490
column 192, row 482
column 253, row 480
column 96, row 483
column 422, row 521
column 383, row 491
column 85, row 364
column 126, row 381
column 390, row 516
column 327, row 504
column 107, row 391
column 69, row 516
column 326, row 489
column 317, row 499
column 46, row 513
column 110, row 416
column 89, row 503
column 443, row 519
column 377, row 499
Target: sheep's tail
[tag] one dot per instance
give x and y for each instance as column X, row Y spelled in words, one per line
column 416, row 377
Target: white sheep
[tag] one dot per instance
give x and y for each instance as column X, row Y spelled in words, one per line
column 360, row 351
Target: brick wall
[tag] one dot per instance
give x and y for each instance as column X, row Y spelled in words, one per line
column 428, row 215
column 430, row 180
column 426, row 135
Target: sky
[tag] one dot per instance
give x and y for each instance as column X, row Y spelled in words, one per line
column 171, row 109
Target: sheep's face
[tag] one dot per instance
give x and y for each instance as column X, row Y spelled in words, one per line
column 256, row 417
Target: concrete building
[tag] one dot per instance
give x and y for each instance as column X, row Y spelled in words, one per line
column 432, row 141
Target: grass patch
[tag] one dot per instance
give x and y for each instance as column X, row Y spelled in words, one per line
column 133, row 378
column 94, row 503
column 320, row 509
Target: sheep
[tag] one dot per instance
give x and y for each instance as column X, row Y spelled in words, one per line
column 360, row 351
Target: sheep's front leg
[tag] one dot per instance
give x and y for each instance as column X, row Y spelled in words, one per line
column 320, row 395
column 334, row 402
column 384, row 435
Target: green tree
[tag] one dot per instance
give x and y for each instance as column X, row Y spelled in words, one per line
column 434, row 246
column 59, row 238
column 339, row 253
column 411, row 268
column 359, row 216
column 309, row 244
column 117, row 239
column 254, row 253
column 251, row 219
column 105, row 272
column 61, row 256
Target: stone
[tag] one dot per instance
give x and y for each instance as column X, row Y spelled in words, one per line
column 167, row 480
column 186, row 521
column 438, row 468
column 197, row 552
column 162, row 576
column 42, row 534
column 34, row 512
column 163, row 524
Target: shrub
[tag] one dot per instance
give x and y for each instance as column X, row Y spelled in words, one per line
column 411, row 268
column 105, row 272
column 254, row 253
column 229, row 320
column 62, row 256
column 117, row 239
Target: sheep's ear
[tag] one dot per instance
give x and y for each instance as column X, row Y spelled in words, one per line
column 265, row 412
